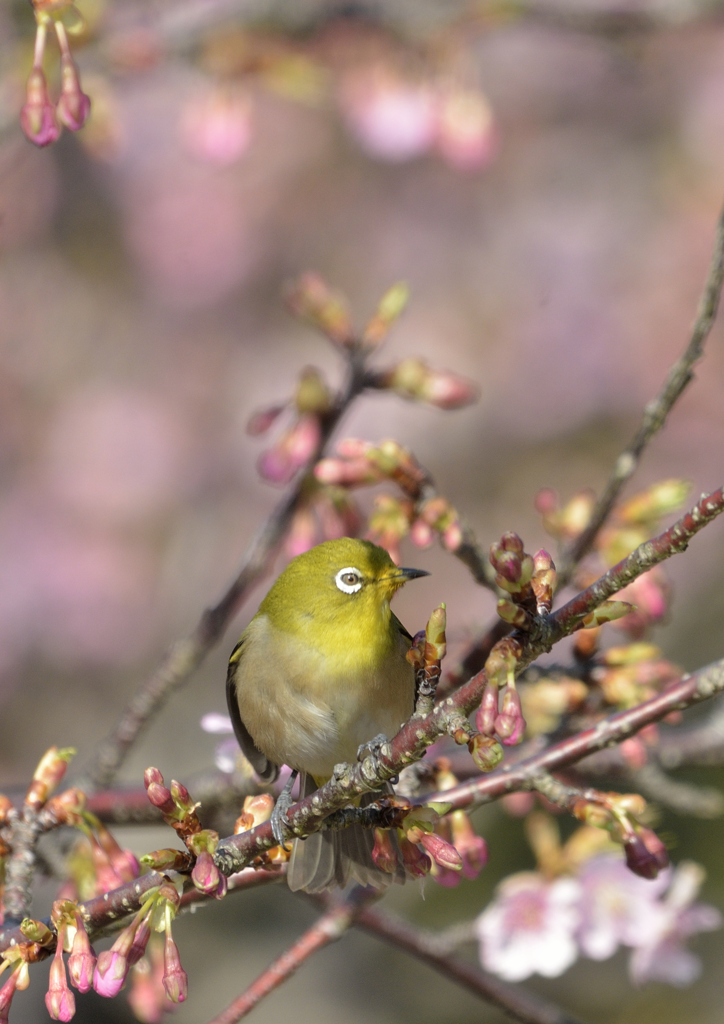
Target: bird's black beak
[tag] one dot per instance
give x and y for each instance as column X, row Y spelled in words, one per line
column 411, row 574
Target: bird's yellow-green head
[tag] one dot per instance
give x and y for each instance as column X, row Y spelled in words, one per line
column 338, row 593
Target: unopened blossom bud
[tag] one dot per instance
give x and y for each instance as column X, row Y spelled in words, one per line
column 502, row 660
column 435, row 639
column 544, row 581
column 110, row 973
column 390, row 307
column 167, row 860
column 6, row 994
column 608, row 611
column 510, row 724
column 182, row 798
column 37, row 117
column 262, row 421
column 140, row 941
column 639, row 858
column 346, row 472
column 389, row 523
column 416, row 863
column 472, row 848
column 513, row 613
column 291, row 451
column 123, row 862
column 655, row 846
column 59, row 999
column 452, row 536
column 47, row 776
column 312, row 395
column 383, row 852
column 488, row 710
column 486, row 752
column 73, row 106
column 82, row 959
column 655, row 502
column 256, row 810
column 158, row 794
column 146, row 995
column 207, row 878
column 576, row 515
column 175, row 980
column 591, row 813
column 421, row 534
column 311, row 299
column 68, row 806
column 442, row 852
column 415, row 380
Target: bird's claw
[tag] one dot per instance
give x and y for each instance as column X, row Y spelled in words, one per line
column 373, row 748
column 278, row 820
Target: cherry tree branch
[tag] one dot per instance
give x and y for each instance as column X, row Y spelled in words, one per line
column 520, row 1005
column 656, row 411
column 692, row 689
column 450, row 714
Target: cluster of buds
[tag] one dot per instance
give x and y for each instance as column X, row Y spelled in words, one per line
column 500, row 716
column 156, row 914
column 620, row 814
column 389, row 522
column 529, row 581
column 359, row 463
column 179, row 811
column 255, row 811
column 632, row 673
column 416, row 381
column 567, row 522
column 639, row 518
column 437, row 516
column 297, row 443
column 42, row 120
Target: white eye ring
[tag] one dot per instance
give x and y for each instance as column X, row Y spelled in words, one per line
column 345, row 585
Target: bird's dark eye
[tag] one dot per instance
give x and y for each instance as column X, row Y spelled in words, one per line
column 348, row 580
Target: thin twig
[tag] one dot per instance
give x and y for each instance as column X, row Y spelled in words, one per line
column 328, row 928
column 655, row 413
column 518, row 1004
column 186, row 655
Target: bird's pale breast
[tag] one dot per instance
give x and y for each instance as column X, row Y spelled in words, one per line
column 324, row 706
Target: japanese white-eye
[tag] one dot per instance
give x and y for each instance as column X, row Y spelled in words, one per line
column 319, row 671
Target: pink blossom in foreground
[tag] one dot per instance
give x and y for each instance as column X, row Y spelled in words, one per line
column 660, row 954
column 216, row 125
column 529, row 927
column 616, row 905
column 392, row 117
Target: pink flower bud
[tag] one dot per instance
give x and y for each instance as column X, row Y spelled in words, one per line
column 73, row 105
column 59, row 1000
column 110, row 973
column 206, row 876
column 291, row 452
column 510, row 725
column 37, row 118
column 140, row 941
column 486, row 752
column 6, row 994
column 260, row 422
column 421, row 534
column 441, row 851
column 488, row 710
column 383, row 852
column 175, row 980
column 472, row 848
column 416, row 863
column 82, row 960
column 146, row 995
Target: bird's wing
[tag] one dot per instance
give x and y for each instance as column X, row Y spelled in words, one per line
column 264, row 768
column 400, row 628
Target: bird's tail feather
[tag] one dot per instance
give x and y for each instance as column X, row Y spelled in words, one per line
column 328, row 859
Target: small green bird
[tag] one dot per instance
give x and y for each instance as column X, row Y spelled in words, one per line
column 319, row 672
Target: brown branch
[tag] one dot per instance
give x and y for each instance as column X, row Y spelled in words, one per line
column 518, row 1004
column 22, row 838
column 416, row 735
column 185, row 656
column 693, row 689
column 328, row 928
column 655, row 413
